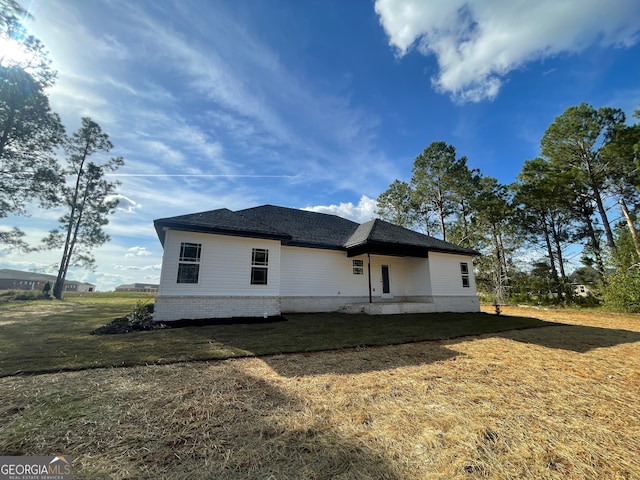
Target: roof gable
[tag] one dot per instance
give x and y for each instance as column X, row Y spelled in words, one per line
column 383, row 237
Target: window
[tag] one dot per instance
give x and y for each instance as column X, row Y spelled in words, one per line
column 464, row 270
column 358, row 267
column 189, row 262
column 259, row 266
column 190, row 252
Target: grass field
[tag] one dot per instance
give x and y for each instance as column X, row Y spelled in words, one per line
column 559, row 401
column 50, row 336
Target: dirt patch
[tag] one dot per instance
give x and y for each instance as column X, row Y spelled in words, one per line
column 39, row 310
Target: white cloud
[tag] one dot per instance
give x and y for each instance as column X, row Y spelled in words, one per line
column 125, row 204
column 363, row 212
column 476, row 43
column 138, row 268
column 30, row 266
column 137, row 252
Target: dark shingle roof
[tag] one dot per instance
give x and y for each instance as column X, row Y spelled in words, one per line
column 222, row 221
column 310, row 229
column 304, row 228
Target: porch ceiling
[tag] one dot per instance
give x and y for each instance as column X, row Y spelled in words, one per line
column 393, row 249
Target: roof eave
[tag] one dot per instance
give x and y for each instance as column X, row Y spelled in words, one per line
column 161, row 227
column 318, row 245
column 466, row 251
column 402, row 250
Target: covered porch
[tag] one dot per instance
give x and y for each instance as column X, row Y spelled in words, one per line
column 398, row 278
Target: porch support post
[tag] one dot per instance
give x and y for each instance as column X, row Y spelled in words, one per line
column 369, row 272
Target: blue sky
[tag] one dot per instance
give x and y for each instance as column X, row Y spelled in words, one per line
column 312, row 104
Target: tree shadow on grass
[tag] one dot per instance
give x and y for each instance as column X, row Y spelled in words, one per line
column 577, row 338
column 359, row 353
column 355, row 361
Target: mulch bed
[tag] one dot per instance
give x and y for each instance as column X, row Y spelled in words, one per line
column 136, row 321
column 143, row 321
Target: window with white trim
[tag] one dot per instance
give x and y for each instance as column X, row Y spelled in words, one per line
column 464, row 271
column 259, row 266
column 358, row 267
column 189, row 262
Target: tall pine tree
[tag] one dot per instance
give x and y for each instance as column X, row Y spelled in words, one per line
column 89, row 199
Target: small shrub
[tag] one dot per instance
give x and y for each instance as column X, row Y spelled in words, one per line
column 21, row 295
column 590, row 301
column 140, row 312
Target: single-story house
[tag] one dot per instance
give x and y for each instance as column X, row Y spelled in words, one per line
column 19, row 280
column 580, row 290
column 270, row 260
column 137, row 287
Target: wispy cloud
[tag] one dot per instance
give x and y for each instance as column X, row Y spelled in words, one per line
column 251, row 96
column 205, row 114
column 205, row 175
column 207, row 93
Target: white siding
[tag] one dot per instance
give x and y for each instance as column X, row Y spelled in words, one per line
column 417, row 277
column 225, row 266
column 316, row 280
column 301, row 279
column 310, row 272
column 446, row 278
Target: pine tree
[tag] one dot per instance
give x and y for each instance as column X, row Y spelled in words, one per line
column 89, row 199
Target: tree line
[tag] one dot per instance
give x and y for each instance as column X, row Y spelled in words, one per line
column 32, row 140
column 583, row 190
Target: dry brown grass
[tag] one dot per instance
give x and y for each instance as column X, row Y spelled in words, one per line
column 550, row 403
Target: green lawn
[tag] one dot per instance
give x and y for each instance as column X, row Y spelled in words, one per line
column 49, row 336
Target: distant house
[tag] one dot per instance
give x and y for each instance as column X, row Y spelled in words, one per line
column 18, row 280
column 137, row 287
column 269, row 260
column 582, row 290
